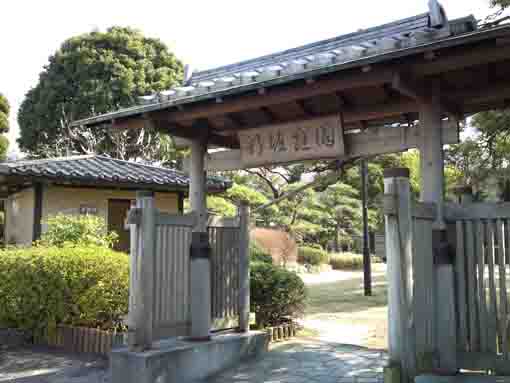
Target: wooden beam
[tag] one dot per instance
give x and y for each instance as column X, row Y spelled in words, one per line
column 307, row 110
column 279, row 95
column 416, row 90
column 371, row 142
column 270, row 115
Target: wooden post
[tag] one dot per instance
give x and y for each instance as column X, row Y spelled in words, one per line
column 431, row 153
column 367, row 267
column 144, row 285
column 244, row 267
column 432, row 190
column 200, row 264
column 399, row 272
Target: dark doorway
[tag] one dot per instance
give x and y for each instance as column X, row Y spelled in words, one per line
column 117, row 213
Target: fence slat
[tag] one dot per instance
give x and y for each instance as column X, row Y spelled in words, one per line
column 461, row 285
column 502, row 312
column 482, row 296
column 493, row 311
column 472, row 288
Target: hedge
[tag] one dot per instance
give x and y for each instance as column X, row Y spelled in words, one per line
column 258, row 254
column 312, row 256
column 349, row 261
column 276, row 294
column 44, row 286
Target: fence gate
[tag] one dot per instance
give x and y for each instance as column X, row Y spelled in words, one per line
column 481, row 271
column 448, row 298
column 159, row 300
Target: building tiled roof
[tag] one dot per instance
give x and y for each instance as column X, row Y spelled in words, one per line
column 95, row 169
column 333, row 54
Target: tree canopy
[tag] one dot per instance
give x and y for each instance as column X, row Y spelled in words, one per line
column 91, row 74
column 4, row 125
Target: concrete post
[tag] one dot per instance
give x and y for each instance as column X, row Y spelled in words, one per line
column 399, row 271
column 244, row 267
column 200, row 265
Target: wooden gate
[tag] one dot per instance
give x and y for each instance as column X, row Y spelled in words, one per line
column 448, row 299
column 481, row 269
column 159, row 301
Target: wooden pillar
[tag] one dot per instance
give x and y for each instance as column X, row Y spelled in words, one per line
column 367, row 267
column 200, row 265
column 141, row 300
column 432, row 190
column 38, row 202
column 244, row 267
column 431, row 153
column 399, row 272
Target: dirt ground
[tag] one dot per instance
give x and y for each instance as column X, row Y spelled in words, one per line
column 338, row 311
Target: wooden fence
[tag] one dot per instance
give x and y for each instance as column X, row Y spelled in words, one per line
column 482, row 254
column 159, row 303
column 82, row 339
column 448, row 289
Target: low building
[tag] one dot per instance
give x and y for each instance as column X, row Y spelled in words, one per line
column 34, row 190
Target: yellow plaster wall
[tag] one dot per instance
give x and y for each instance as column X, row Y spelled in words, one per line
column 66, row 200
column 19, row 217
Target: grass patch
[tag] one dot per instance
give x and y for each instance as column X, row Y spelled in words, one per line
column 341, row 304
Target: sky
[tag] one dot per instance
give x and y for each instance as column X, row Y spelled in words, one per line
column 203, row 34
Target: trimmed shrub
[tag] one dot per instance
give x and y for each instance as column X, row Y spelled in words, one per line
column 346, row 261
column 312, row 256
column 258, row 254
column 41, row 287
column 77, row 229
column 276, row 294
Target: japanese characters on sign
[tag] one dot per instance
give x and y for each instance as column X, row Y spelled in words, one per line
column 317, row 138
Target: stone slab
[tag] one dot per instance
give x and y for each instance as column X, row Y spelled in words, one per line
column 181, row 361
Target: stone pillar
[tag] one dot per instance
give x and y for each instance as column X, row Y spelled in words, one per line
column 200, row 265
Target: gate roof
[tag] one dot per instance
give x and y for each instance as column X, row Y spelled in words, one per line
column 376, row 77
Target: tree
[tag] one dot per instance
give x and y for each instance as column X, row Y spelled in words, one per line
column 91, row 74
column 4, row 125
column 485, row 154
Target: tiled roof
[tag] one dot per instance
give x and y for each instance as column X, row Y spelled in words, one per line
column 95, row 169
column 397, row 35
column 333, row 54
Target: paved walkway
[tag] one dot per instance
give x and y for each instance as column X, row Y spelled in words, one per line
column 42, row 365
column 301, row 361
column 296, row 361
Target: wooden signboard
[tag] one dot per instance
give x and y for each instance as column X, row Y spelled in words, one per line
column 317, row 138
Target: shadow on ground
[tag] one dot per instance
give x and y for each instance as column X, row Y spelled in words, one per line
column 41, row 365
column 310, row 361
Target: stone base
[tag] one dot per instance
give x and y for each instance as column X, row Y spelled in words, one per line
column 462, row 378
column 180, row 361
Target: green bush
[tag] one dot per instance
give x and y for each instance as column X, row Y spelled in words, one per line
column 311, row 255
column 346, row 261
column 258, row 254
column 41, row 287
column 276, row 294
column 81, row 229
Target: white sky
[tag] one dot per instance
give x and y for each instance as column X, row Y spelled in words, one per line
column 204, row 34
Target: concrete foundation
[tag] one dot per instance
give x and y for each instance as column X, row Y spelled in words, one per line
column 180, row 361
